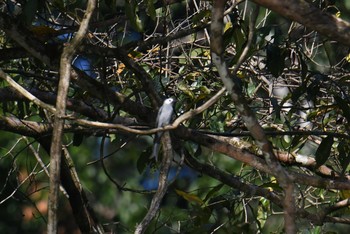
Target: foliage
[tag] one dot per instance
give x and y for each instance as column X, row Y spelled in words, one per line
column 295, row 80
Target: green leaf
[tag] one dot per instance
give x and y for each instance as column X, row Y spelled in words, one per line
column 151, row 11
column 344, row 156
column 185, row 89
column 29, row 10
column 213, row 192
column 200, row 16
column 143, row 160
column 131, row 13
column 324, row 150
column 344, row 106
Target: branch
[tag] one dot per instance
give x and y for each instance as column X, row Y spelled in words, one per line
column 251, row 190
column 248, row 116
column 83, row 213
column 25, row 93
column 58, row 126
column 24, row 38
column 162, row 184
column 255, row 161
column 312, row 17
column 43, row 130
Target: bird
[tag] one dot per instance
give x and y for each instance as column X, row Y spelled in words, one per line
column 163, row 118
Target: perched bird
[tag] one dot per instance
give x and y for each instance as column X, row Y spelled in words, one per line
column 164, row 116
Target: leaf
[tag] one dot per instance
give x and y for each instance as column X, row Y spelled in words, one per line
column 344, row 194
column 189, row 197
column 213, row 191
column 276, row 107
column 344, row 156
column 324, row 150
column 201, row 16
column 29, row 10
column 274, row 59
column 131, row 13
column 143, row 160
column 344, row 106
column 151, row 11
column 78, row 139
column 185, row 89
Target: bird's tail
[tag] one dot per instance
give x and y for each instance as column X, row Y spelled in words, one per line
column 155, row 151
column 156, row 145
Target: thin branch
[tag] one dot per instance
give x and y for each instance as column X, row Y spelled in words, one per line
column 187, row 115
column 25, row 93
column 42, row 164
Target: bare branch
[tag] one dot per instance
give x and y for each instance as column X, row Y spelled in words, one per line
column 162, row 184
column 25, row 93
column 58, row 126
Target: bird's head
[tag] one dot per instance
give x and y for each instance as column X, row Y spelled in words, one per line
column 169, row 101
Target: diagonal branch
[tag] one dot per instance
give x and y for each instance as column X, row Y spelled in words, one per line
column 248, row 116
column 25, row 93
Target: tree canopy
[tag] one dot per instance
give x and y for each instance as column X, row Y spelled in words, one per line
column 259, row 141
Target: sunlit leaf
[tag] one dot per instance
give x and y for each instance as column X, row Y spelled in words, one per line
column 189, row 197
column 348, row 58
column 185, row 89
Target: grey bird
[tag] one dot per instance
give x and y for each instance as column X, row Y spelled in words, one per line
column 164, row 116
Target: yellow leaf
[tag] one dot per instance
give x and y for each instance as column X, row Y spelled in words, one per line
column 240, row 75
column 345, row 194
column 121, row 67
column 347, row 58
column 44, row 33
column 189, row 197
